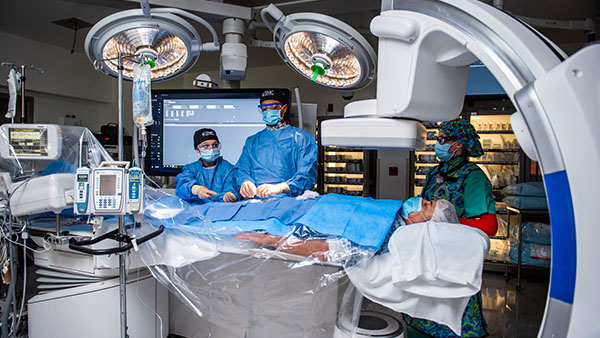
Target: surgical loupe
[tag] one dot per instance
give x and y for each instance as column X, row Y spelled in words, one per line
column 170, row 42
column 322, row 48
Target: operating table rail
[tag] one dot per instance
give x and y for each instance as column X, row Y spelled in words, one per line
column 114, row 235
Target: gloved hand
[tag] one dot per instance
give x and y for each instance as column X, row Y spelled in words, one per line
column 248, row 189
column 229, row 197
column 202, row 192
column 267, row 190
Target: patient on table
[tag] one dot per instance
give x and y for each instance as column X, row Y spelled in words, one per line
column 428, row 267
column 412, row 257
column 414, row 210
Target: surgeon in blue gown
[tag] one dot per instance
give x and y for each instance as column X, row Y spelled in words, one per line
column 211, row 178
column 280, row 159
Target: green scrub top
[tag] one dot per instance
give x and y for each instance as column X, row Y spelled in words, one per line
column 472, row 197
column 478, row 195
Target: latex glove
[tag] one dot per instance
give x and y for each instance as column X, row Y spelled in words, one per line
column 267, row 190
column 248, row 189
column 229, row 197
column 202, row 192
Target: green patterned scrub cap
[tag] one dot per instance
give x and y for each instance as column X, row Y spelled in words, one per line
column 465, row 134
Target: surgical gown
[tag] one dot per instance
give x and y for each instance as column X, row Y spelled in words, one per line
column 220, row 179
column 287, row 155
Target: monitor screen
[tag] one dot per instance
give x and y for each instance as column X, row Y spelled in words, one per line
column 232, row 113
column 108, row 185
column 29, row 141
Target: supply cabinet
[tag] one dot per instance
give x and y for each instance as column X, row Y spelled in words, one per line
column 345, row 171
column 424, row 159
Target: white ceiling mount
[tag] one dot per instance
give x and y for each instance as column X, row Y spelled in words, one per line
column 323, row 49
column 175, row 42
column 215, row 9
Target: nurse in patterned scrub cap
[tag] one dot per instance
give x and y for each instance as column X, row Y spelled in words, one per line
column 464, row 184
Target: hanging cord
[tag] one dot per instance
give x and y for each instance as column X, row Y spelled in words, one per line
column 24, row 290
column 76, row 27
column 137, row 288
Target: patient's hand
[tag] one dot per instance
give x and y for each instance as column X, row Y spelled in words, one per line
column 229, row 197
column 302, row 247
column 262, row 239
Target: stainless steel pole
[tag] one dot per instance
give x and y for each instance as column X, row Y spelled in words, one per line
column 123, row 285
column 120, row 102
column 122, row 256
column 23, row 94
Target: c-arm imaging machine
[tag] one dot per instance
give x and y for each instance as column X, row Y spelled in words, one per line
column 425, row 48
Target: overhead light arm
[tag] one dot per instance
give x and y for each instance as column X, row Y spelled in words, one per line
column 215, row 9
column 274, row 12
column 208, row 46
column 145, row 8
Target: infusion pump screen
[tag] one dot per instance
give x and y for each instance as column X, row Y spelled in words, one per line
column 29, row 141
column 108, row 185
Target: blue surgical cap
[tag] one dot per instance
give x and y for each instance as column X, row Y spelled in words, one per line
column 411, row 205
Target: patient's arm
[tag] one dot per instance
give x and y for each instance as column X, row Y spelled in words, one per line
column 303, row 247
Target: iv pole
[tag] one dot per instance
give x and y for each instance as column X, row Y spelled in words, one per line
column 22, row 78
column 123, row 255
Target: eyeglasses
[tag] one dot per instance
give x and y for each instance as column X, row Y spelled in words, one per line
column 444, row 139
column 263, row 107
column 209, row 146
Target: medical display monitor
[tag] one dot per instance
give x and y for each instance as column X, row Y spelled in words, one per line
column 232, row 113
column 108, row 185
column 30, row 141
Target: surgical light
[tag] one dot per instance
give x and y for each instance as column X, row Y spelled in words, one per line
column 161, row 37
column 322, row 48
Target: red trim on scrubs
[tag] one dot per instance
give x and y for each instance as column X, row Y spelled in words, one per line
column 486, row 223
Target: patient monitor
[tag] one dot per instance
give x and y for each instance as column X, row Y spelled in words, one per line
column 30, row 141
column 39, row 194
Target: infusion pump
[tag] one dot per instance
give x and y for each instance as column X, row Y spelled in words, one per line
column 111, row 189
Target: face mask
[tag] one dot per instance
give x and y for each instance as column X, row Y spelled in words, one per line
column 442, row 151
column 210, row 155
column 271, row 116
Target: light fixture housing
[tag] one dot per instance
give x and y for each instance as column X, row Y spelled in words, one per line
column 323, row 49
column 165, row 37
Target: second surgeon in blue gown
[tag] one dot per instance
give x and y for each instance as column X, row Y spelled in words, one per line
column 280, row 159
column 211, row 178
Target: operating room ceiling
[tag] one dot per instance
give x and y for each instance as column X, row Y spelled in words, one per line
column 33, row 19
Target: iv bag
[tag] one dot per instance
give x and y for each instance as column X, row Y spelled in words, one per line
column 142, row 111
